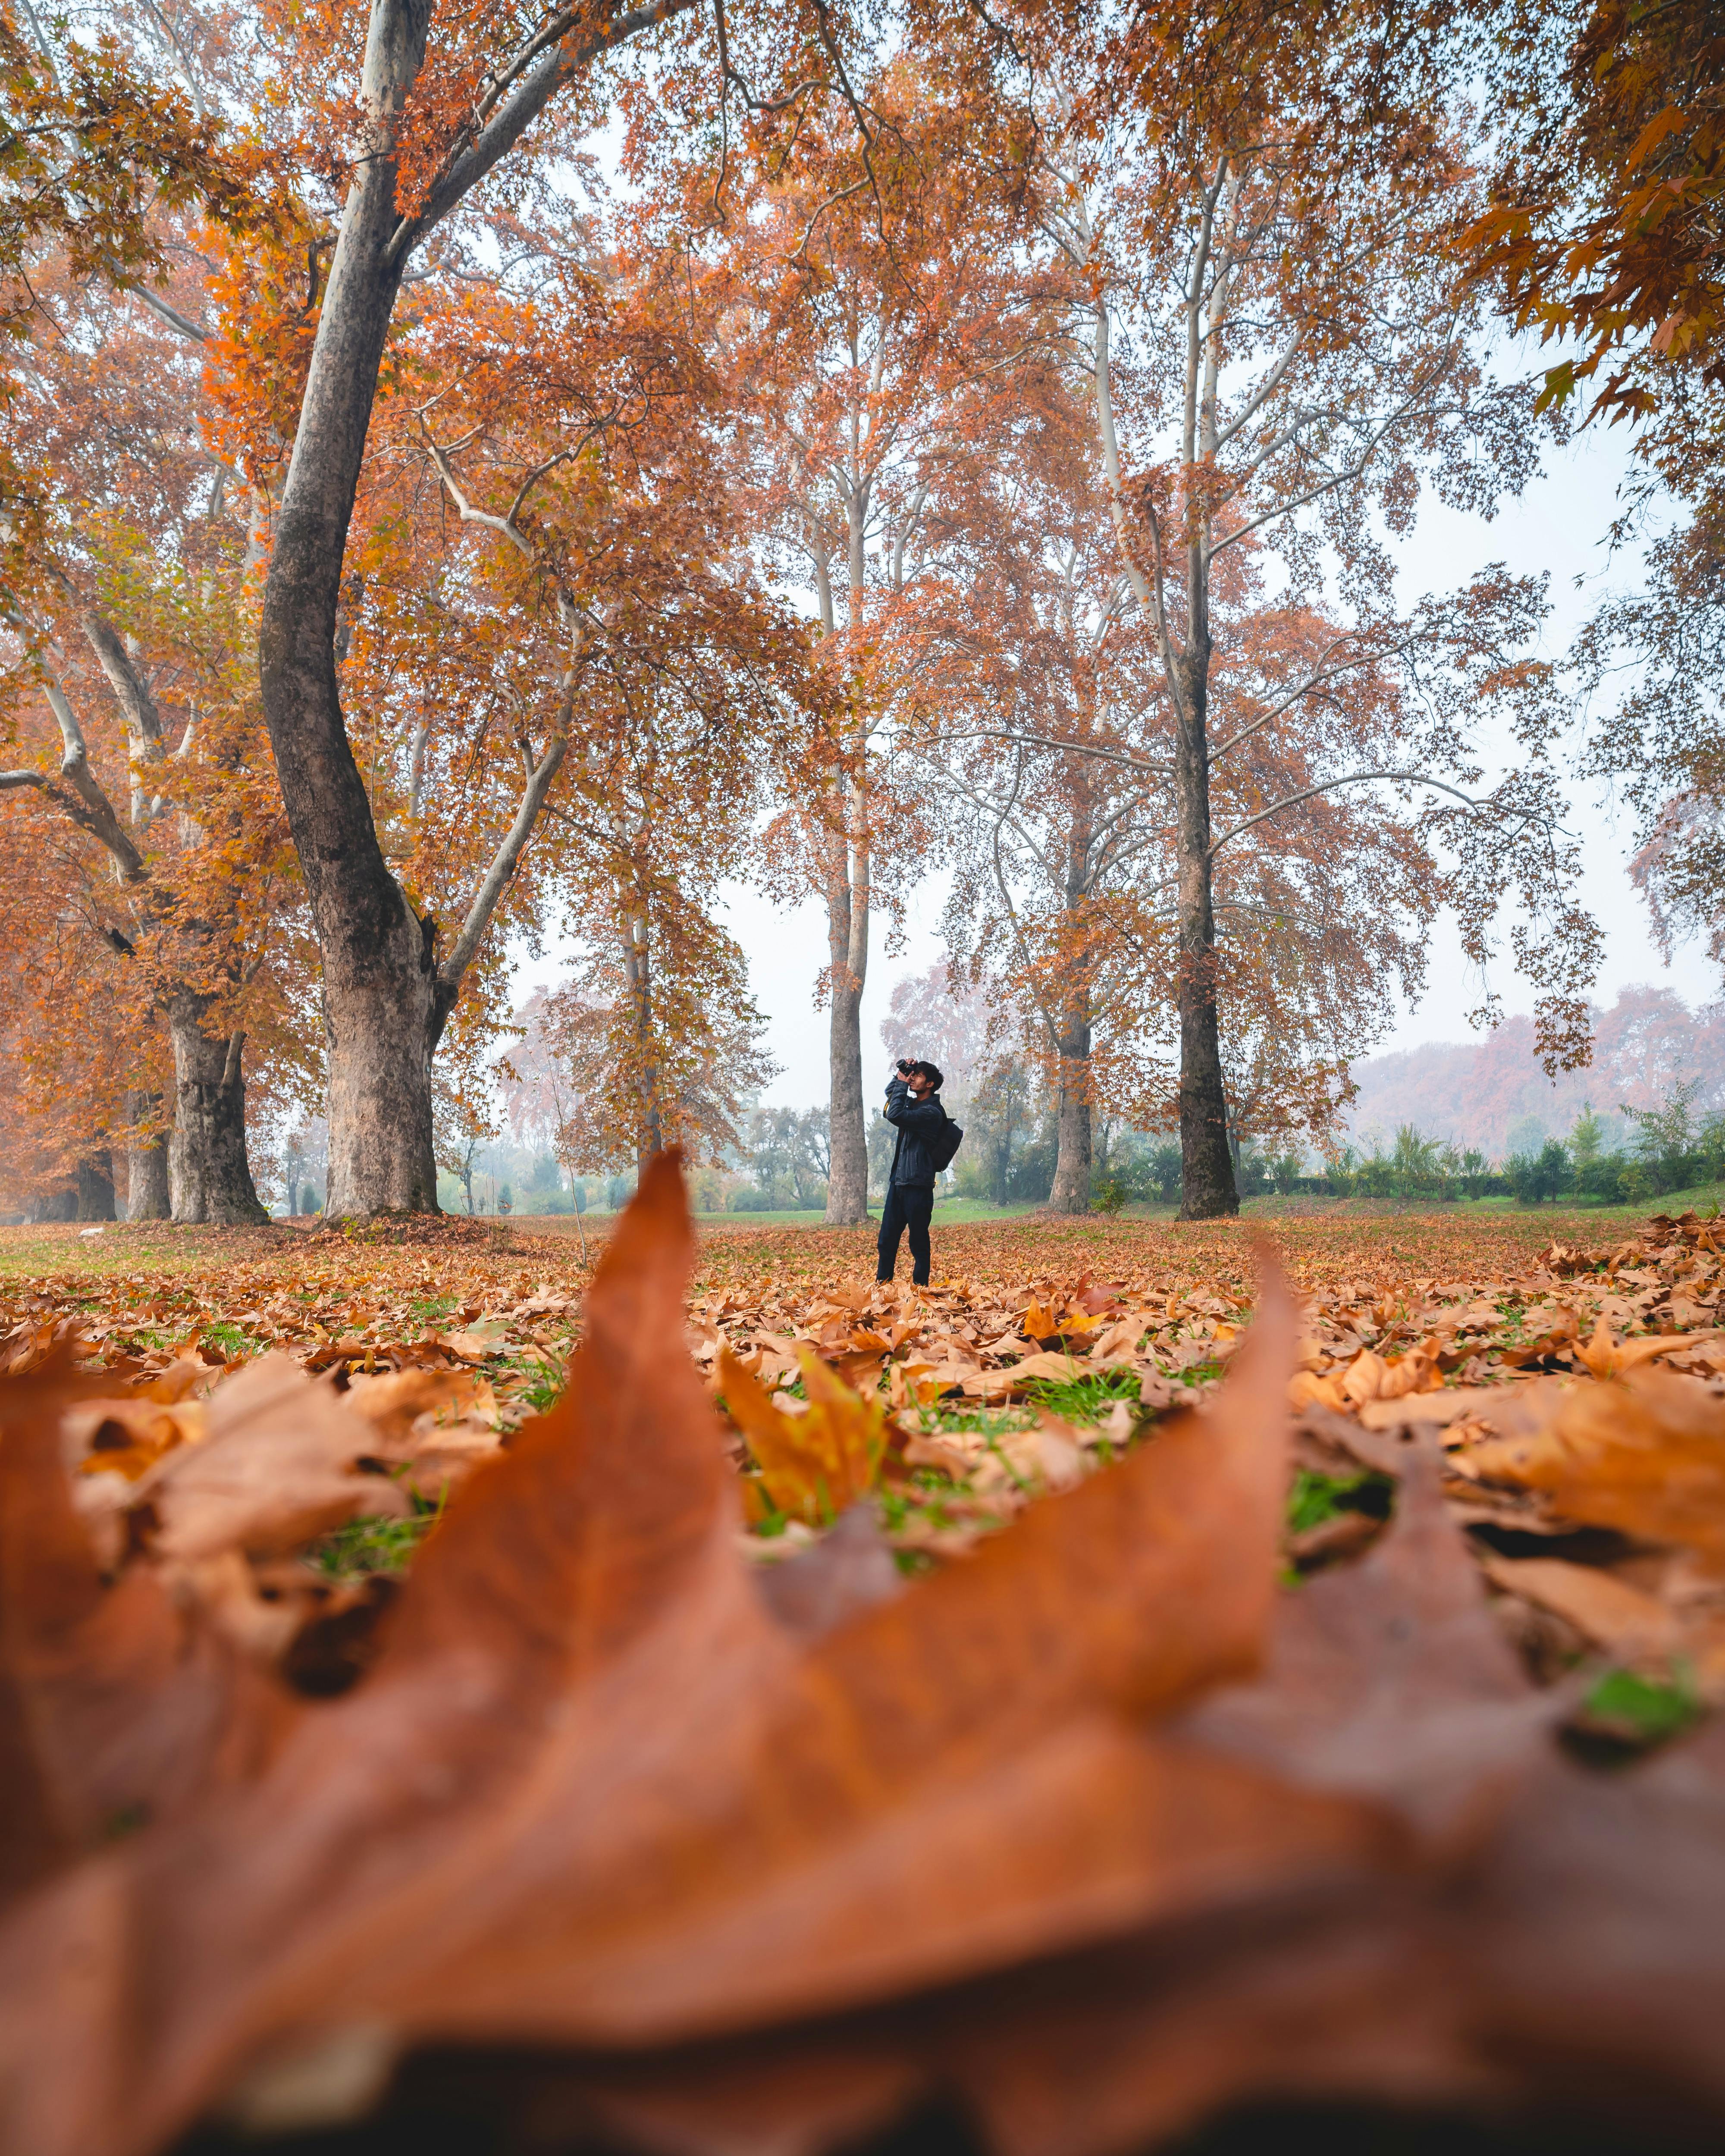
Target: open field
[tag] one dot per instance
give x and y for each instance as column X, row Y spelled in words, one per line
column 225, row 1269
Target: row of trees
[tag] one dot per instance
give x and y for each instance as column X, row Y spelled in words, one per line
column 973, row 438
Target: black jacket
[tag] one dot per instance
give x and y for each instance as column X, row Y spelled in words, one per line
column 917, row 1122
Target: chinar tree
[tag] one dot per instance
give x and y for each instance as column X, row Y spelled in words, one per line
column 1259, row 210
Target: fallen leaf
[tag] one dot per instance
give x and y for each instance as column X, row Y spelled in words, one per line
column 1388, row 1678
column 849, row 1570
column 118, row 1706
column 392, row 1401
column 1603, row 1608
column 1604, row 1356
column 816, row 1464
column 275, row 1468
column 1644, row 1454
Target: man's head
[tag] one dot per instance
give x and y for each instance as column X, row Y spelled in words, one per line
column 923, row 1078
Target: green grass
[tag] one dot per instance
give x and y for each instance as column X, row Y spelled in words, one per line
column 544, row 1387
column 985, row 1422
column 234, row 1342
column 1704, row 1198
column 376, row 1544
column 1641, row 1710
column 1087, row 1398
column 1316, row 1499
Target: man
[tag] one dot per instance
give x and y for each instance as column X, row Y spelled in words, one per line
column 912, row 1105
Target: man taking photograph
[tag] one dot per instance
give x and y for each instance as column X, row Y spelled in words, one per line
column 913, row 1106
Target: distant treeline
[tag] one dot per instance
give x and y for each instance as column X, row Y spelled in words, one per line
column 1670, row 1148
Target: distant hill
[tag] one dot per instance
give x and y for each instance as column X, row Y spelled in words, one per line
column 1491, row 1093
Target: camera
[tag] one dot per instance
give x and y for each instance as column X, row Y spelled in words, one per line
column 904, row 1066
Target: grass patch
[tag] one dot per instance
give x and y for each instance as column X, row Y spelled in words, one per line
column 375, row 1543
column 1086, row 1398
column 1641, row 1711
column 233, row 1340
column 545, row 1383
column 982, row 1422
column 1316, row 1498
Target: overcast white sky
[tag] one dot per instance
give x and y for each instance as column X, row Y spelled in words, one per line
column 1558, row 525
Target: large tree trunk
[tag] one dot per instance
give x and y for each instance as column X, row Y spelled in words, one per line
column 381, row 1001
column 848, row 942
column 61, row 1204
column 146, row 1186
column 1207, row 1171
column 95, row 1185
column 208, row 1177
column 381, row 1024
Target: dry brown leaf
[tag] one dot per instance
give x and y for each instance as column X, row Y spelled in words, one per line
column 276, row 1468
column 1644, row 1454
column 818, row 1463
column 128, row 1437
column 850, row 1569
column 391, row 1401
column 1605, row 1610
column 117, row 1707
column 1388, row 1677
column 1049, row 1367
column 1605, row 1357
column 1447, row 1404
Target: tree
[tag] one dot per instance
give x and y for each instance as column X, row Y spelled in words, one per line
column 1605, row 227
column 121, row 608
column 1046, row 721
column 865, row 277
column 1604, row 234
column 786, row 1147
column 1649, row 664
column 938, row 1018
column 1258, row 218
column 460, row 1127
column 128, row 626
column 437, row 115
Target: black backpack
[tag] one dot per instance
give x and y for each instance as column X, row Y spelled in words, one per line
column 946, row 1142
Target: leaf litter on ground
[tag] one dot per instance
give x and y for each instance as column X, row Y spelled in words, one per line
column 793, row 1711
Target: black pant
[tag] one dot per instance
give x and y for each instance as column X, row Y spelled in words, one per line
column 908, row 1205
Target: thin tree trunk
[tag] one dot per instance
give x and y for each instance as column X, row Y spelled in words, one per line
column 208, row 1177
column 1208, row 1187
column 95, row 1185
column 1207, row 1184
column 847, row 924
column 637, row 974
column 146, row 1191
column 848, row 945
column 1070, row 1192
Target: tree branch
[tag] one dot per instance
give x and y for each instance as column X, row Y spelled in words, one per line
column 503, row 866
column 503, row 119
column 87, row 805
column 1359, row 778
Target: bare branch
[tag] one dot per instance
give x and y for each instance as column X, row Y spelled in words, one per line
column 1359, row 778
column 180, row 324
